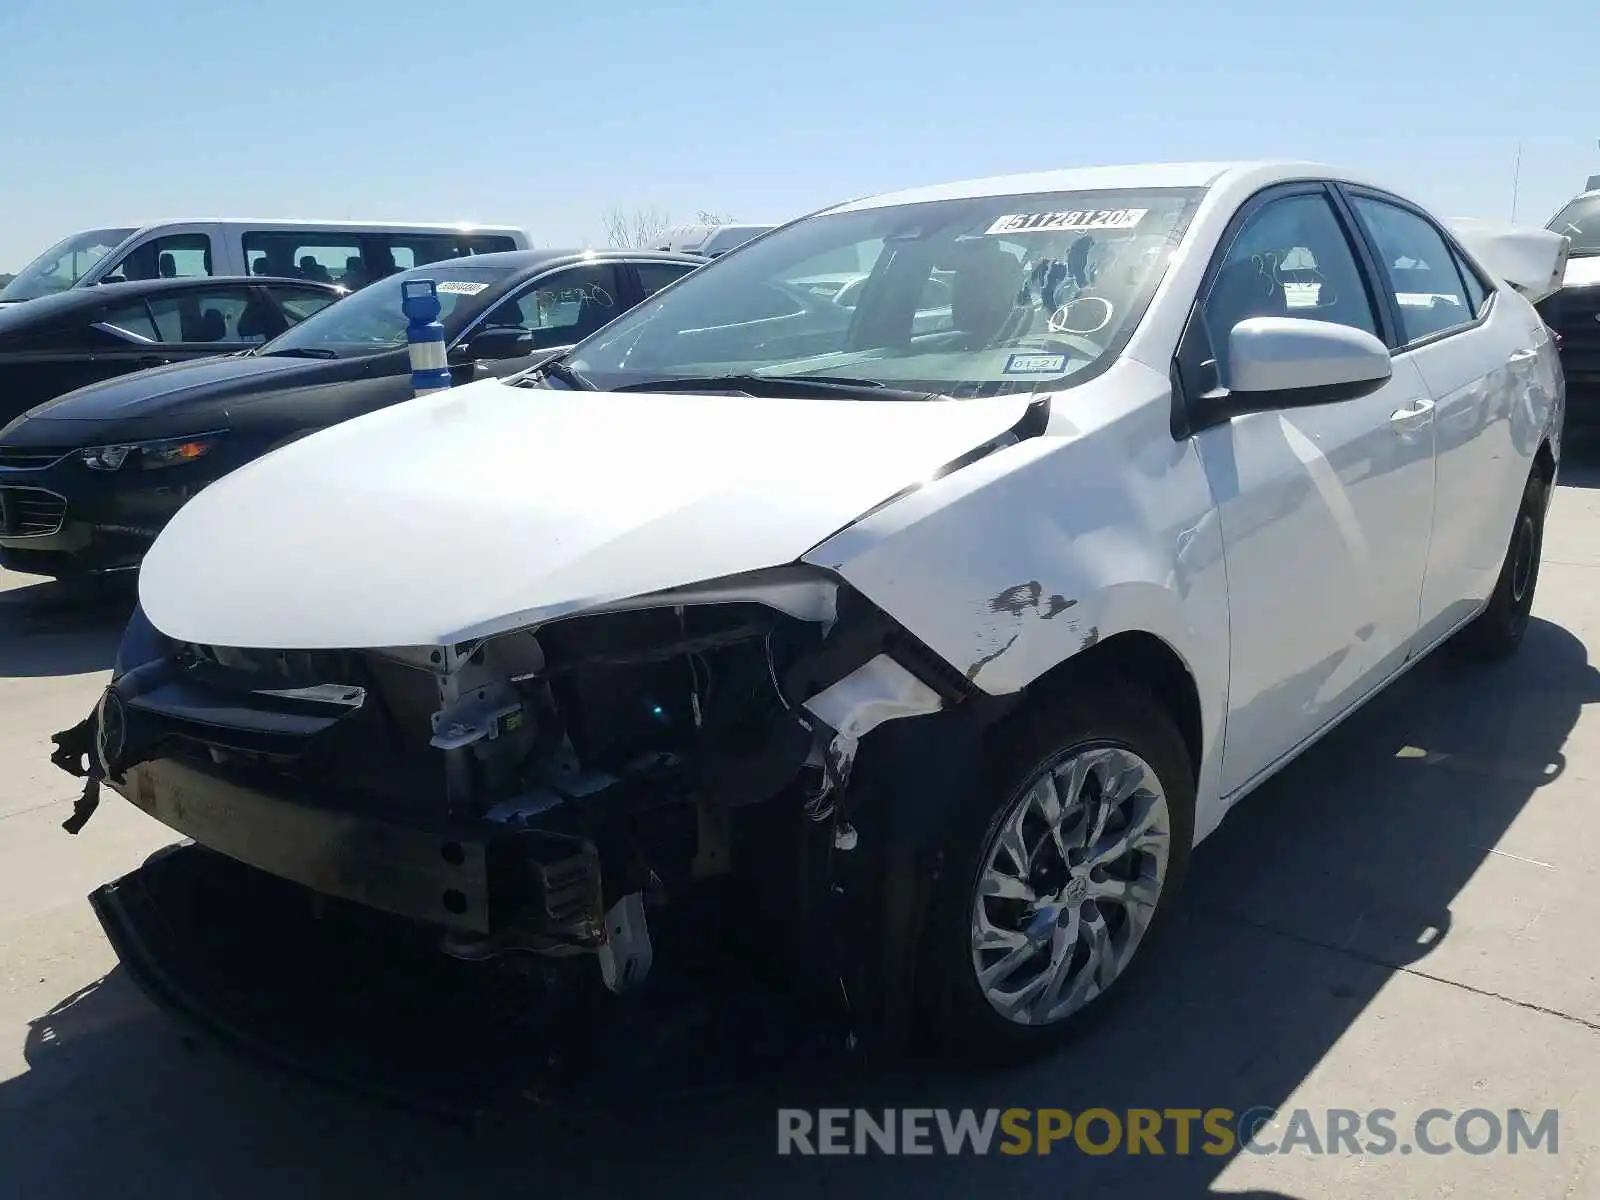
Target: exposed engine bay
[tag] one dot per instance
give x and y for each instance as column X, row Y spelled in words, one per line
column 536, row 793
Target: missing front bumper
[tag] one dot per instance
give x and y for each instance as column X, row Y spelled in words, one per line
column 360, row 1003
column 468, row 878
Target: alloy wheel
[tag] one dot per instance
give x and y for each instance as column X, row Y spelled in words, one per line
column 1069, row 884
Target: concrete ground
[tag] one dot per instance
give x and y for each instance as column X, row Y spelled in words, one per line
column 1408, row 918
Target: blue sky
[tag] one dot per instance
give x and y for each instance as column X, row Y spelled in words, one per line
column 547, row 114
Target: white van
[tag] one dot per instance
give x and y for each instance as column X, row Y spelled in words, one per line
column 348, row 253
column 709, row 241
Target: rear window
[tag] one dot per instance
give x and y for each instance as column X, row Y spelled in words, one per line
column 1580, row 221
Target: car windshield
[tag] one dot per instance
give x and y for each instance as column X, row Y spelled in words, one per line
column 61, row 266
column 1580, row 221
column 370, row 321
column 967, row 297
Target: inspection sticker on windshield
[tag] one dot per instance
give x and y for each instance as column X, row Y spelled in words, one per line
column 1052, row 222
column 460, row 287
column 1036, row 364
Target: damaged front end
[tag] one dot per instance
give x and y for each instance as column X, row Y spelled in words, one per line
column 539, row 792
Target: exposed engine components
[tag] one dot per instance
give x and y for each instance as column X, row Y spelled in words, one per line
column 539, row 792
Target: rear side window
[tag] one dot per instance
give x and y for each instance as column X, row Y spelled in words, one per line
column 653, row 276
column 321, row 257
column 299, row 303
column 209, row 315
column 1420, row 270
column 131, row 319
column 387, row 253
column 354, row 260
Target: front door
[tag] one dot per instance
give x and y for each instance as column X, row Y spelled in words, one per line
column 1326, row 510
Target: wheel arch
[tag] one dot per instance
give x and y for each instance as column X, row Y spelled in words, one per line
column 1144, row 660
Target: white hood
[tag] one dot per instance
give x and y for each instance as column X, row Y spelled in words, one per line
column 490, row 507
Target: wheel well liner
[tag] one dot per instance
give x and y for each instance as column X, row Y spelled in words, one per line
column 1144, row 660
column 1545, row 461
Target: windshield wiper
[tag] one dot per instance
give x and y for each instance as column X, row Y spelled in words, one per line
column 778, row 385
column 555, row 367
column 301, row 352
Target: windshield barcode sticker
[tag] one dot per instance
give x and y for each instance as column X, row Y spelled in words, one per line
column 1052, row 222
column 459, row 287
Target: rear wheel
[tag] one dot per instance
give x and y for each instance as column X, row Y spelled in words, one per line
column 1061, row 871
column 1498, row 630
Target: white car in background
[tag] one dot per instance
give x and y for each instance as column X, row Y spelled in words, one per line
column 985, row 624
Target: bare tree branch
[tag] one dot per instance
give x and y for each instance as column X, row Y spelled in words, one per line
column 643, row 227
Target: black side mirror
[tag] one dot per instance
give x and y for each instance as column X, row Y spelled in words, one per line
column 500, row 342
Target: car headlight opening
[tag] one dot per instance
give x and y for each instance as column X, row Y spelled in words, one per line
column 148, row 456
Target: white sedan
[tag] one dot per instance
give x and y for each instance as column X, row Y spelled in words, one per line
column 941, row 646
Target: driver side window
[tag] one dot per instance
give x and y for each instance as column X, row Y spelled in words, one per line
column 1291, row 259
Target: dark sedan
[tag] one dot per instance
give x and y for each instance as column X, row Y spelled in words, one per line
column 59, row 343
column 89, row 479
column 1574, row 312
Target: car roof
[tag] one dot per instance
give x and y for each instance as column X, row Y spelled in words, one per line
column 538, row 259
column 1128, row 176
column 519, row 264
column 58, row 304
column 310, row 223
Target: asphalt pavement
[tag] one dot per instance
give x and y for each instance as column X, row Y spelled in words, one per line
column 1408, row 918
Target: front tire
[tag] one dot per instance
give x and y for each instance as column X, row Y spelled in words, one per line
column 1061, row 871
column 1497, row 631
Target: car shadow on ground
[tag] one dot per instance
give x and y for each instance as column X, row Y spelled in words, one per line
column 1331, row 878
column 1581, row 470
column 48, row 629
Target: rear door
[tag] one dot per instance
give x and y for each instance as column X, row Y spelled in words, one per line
column 205, row 320
column 73, row 353
column 1478, row 360
column 132, row 334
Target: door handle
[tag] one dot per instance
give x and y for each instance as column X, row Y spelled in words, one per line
column 150, row 360
column 1518, row 356
column 1411, row 416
